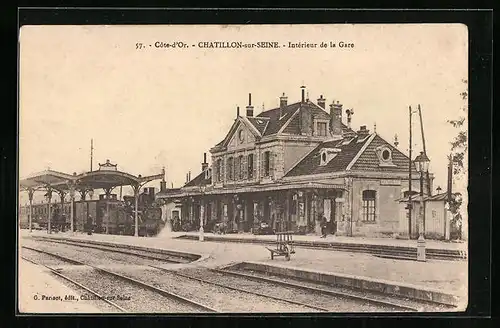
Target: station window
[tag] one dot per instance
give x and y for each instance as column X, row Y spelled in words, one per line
column 242, row 168
column 236, row 168
column 219, row 170
column 369, row 209
column 267, row 163
column 250, row 166
column 322, row 128
column 230, row 168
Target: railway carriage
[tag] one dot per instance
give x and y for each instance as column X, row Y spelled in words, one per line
column 120, row 218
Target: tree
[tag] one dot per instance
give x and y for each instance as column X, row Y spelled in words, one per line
column 459, row 144
column 459, row 152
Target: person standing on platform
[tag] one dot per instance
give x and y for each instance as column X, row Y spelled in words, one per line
column 90, row 226
column 324, row 226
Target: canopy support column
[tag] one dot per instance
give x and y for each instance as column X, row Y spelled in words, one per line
column 107, row 192
column 63, row 195
column 71, row 208
column 137, row 189
column 31, row 192
column 49, row 197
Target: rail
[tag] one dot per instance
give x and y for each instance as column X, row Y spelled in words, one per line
column 133, row 281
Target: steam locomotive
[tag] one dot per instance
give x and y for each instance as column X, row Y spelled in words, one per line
column 91, row 214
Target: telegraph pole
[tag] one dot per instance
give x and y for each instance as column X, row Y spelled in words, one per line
column 409, row 182
column 91, row 153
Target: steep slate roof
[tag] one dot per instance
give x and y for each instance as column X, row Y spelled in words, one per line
column 259, row 122
column 368, row 161
column 275, row 123
column 199, row 180
column 269, row 122
column 310, row 164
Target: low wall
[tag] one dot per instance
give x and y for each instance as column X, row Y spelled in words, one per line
column 356, row 282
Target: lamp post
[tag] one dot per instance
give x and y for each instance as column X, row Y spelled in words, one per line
column 202, row 213
column 422, row 166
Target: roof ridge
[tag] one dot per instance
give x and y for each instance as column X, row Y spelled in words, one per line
column 276, row 108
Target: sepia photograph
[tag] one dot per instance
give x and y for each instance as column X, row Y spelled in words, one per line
column 243, row 169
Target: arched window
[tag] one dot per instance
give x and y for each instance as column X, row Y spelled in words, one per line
column 230, row 168
column 369, row 209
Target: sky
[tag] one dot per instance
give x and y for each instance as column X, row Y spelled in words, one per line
column 164, row 107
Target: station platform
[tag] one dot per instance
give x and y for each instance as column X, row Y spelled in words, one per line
column 317, row 240
column 448, row 276
column 37, row 288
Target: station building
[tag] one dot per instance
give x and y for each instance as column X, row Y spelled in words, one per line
column 293, row 165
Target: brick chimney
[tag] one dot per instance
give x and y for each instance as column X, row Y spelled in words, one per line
column 163, row 183
column 363, row 132
column 336, row 118
column 283, row 102
column 303, row 94
column 249, row 107
column 204, row 165
column 237, row 111
column 321, row 102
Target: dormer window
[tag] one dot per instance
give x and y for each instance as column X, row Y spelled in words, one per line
column 320, row 128
column 208, row 173
column 327, row 154
column 384, row 155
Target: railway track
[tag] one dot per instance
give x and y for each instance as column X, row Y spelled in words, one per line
column 115, row 249
column 320, row 308
column 327, row 294
column 59, row 274
column 128, row 280
column 314, row 297
column 319, row 290
column 395, row 252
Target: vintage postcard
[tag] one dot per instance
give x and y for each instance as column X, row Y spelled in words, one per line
column 243, row 168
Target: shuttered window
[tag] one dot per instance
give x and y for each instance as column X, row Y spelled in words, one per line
column 267, row 163
column 271, row 164
column 230, row 168
column 250, row 166
column 237, row 167
column 321, row 128
column 242, row 167
column 219, row 170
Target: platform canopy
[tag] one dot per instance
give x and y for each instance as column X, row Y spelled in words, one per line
column 54, row 179
column 107, row 177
